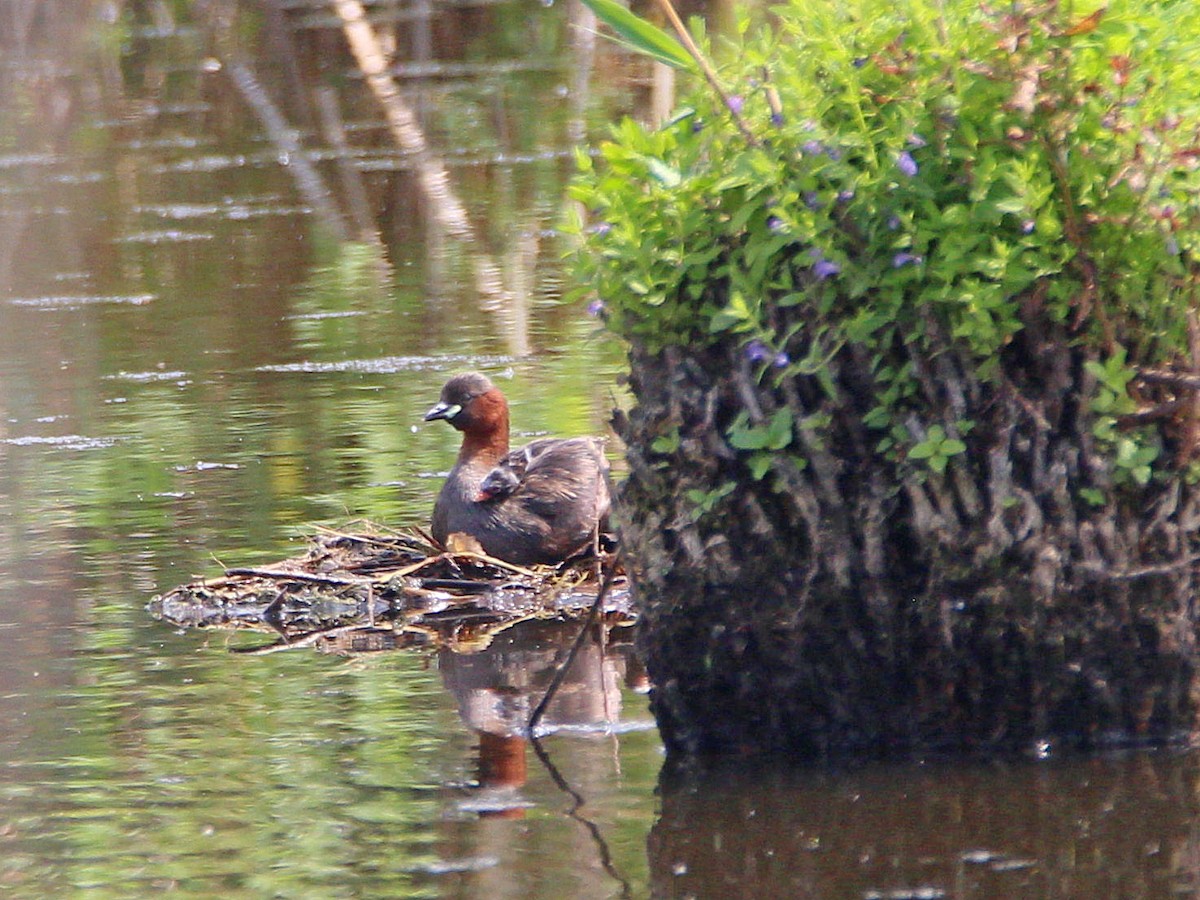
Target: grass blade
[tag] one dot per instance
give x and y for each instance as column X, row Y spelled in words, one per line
column 642, row 37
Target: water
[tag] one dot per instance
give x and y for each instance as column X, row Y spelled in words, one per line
column 194, row 374
column 1109, row 826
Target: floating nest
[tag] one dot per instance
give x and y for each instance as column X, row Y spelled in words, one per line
column 380, row 589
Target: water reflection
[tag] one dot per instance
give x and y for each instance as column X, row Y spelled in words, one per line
column 497, row 689
column 498, row 678
column 1120, row 826
column 192, row 374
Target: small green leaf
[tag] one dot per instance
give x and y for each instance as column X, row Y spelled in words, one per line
column 668, row 176
column 760, row 464
column 744, row 436
column 923, row 450
column 681, row 115
column 876, row 417
column 666, row 443
column 723, row 320
column 748, row 438
column 1014, row 205
column 735, row 313
column 779, row 429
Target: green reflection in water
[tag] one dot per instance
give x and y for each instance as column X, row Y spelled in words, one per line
column 234, row 774
column 224, row 379
column 292, row 775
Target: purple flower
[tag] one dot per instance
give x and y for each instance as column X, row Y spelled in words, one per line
column 915, row 140
column 906, row 164
column 774, row 223
column 596, row 308
column 845, row 196
column 860, row 61
column 757, row 351
column 601, row 228
column 893, row 222
column 834, row 153
column 781, row 359
column 903, row 258
column 697, row 126
column 825, row 268
column 1027, row 226
column 777, row 119
column 735, row 104
column 812, row 200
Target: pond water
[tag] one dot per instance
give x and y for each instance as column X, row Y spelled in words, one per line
column 195, row 372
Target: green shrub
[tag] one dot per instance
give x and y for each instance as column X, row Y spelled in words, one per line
column 980, row 166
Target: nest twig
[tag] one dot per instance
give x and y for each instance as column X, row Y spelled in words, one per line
column 351, row 582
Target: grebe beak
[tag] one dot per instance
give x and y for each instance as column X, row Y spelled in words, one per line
column 445, row 411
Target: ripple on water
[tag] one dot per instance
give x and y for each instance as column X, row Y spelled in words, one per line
column 63, row 441
column 210, row 162
column 387, row 365
column 165, row 236
column 232, row 210
column 173, row 142
column 462, row 864
column 148, row 377
column 73, row 301
column 20, row 160
column 463, row 159
column 315, row 317
column 78, row 178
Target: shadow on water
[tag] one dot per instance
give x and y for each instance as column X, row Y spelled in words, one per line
column 1110, row 826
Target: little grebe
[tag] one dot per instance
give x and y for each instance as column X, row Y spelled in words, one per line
column 534, row 505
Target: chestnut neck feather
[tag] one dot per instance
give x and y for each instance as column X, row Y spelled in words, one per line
column 485, row 440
